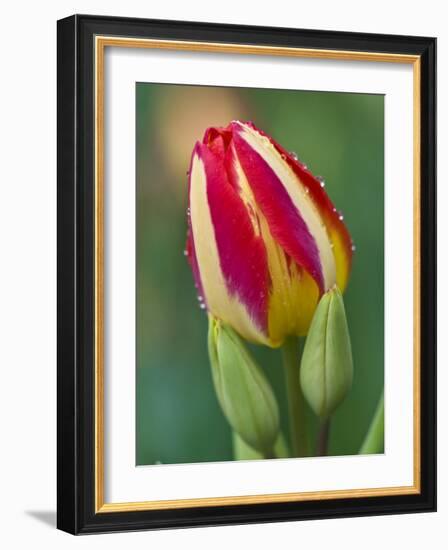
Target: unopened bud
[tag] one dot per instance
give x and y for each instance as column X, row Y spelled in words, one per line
column 244, row 393
column 326, row 371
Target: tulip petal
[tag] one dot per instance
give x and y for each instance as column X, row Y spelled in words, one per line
column 231, row 258
column 293, row 294
column 293, row 218
column 336, row 228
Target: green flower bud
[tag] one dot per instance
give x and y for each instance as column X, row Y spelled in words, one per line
column 326, row 371
column 244, row 393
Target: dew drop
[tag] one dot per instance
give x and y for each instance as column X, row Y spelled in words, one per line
column 185, row 252
column 334, row 209
column 307, row 190
column 188, row 212
column 202, row 305
column 353, row 247
column 341, row 217
column 294, row 155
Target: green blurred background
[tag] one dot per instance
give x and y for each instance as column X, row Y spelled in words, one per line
column 340, row 136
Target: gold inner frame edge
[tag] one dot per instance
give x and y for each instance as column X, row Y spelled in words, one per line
column 100, row 43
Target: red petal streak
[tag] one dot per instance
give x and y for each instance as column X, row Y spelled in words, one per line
column 285, row 222
column 242, row 253
column 330, row 216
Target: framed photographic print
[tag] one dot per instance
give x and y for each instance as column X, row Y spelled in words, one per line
column 246, row 274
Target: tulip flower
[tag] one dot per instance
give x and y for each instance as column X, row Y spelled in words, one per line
column 265, row 241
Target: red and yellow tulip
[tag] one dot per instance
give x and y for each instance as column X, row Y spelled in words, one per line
column 264, row 241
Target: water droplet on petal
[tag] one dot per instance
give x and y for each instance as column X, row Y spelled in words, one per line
column 334, row 209
column 307, row 190
column 294, row 155
column 202, row 305
column 185, row 252
column 353, row 247
column 341, row 217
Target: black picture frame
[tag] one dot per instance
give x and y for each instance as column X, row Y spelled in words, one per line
column 76, row 286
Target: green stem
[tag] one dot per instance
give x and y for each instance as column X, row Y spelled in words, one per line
column 322, row 438
column 296, row 403
column 374, row 440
